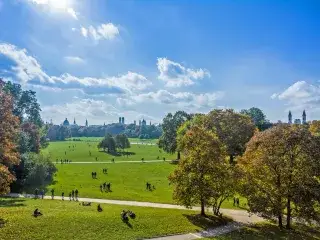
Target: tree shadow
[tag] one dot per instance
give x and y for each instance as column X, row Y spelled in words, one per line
column 12, row 202
column 208, row 221
column 2, row 222
column 118, row 154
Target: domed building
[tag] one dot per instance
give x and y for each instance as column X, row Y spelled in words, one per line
column 66, row 122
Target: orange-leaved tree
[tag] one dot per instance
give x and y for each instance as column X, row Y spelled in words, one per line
column 9, row 127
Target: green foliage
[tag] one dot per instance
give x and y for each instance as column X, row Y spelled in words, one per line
column 26, row 105
column 279, row 170
column 232, row 128
column 36, row 171
column 258, row 117
column 198, row 173
column 108, row 143
column 170, row 125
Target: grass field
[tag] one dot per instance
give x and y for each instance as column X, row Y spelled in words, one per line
column 128, row 180
column 81, row 152
column 264, row 231
column 134, row 140
column 69, row 220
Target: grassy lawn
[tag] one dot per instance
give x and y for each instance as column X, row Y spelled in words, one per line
column 69, row 220
column 270, row 231
column 134, row 140
column 82, row 149
column 128, row 181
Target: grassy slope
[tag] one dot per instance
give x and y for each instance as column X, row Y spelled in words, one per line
column 81, row 152
column 69, row 220
column 270, row 231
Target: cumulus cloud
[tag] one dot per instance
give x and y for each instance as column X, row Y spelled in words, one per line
column 74, row 60
column 202, row 100
column 176, row 75
column 301, row 95
column 104, row 31
column 61, row 5
column 28, row 70
column 96, row 111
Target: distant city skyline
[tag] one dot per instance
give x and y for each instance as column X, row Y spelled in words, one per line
column 142, row 59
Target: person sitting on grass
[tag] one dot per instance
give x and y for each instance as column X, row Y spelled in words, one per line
column 86, row 204
column 37, row 213
column 99, row 208
column 132, row 215
column 124, row 216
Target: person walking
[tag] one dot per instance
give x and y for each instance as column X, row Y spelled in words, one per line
column 76, row 193
column 62, row 196
column 52, row 194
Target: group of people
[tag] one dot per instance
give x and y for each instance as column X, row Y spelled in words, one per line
column 150, row 187
column 236, row 202
column 105, row 170
column 105, row 186
column 37, row 193
column 63, row 161
column 126, row 214
column 73, row 195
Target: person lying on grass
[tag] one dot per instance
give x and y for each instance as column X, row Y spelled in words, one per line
column 99, row 208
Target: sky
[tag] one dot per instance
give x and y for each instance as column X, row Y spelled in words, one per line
column 102, row 59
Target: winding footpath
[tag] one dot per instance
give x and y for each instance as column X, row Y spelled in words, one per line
column 241, row 218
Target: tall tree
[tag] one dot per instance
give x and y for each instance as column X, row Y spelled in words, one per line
column 258, row 117
column 193, row 180
column 25, row 103
column 108, row 143
column 232, row 128
column 9, row 127
column 170, row 125
column 280, row 169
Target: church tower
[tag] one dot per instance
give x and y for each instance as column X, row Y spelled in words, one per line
column 86, row 123
column 304, row 117
column 290, row 118
column 74, row 121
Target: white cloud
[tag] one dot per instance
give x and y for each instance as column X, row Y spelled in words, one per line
column 84, row 32
column 301, row 95
column 104, row 31
column 56, row 5
column 96, row 111
column 28, row 69
column 74, row 60
column 176, row 75
column 72, row 13
column 203, row 100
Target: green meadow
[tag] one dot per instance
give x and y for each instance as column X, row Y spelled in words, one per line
column 69, row 220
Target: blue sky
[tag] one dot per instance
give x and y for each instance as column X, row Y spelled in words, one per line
column 99, row 59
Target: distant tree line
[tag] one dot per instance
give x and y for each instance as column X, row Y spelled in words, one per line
column 60, row 133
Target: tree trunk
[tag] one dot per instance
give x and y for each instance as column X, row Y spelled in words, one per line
column 280, row 220
column 231, row 159
column 202, row 208
column 288, row 226
column 178, row 157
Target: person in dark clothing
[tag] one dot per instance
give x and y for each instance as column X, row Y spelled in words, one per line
column 234, row 201
column 132, row 215
column 62, row 196
column 70, row 196
column 72, row 193
column 37, row 213
column 99, row 208
column 36, row 193
column 76, row 193
column 124, row 216
column 238, row 202
column 52, row 193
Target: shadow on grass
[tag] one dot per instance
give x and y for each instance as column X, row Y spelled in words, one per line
column 271, row 231
column 208, row 221
column 118, row 154
column 2, row 222
column 12, row 202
